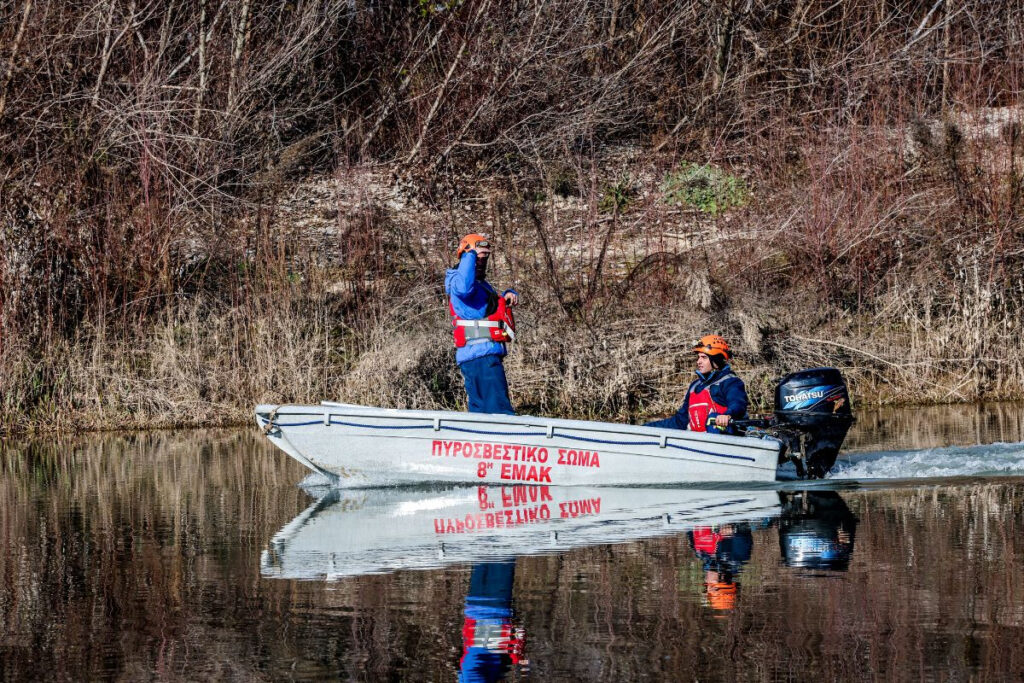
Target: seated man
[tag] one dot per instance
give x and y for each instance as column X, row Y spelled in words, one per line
column 716, row 397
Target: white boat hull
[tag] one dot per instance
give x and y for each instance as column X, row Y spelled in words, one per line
column 350, row 533
column 363, row 446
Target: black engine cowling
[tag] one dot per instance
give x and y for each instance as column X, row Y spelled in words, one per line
column 815, row 405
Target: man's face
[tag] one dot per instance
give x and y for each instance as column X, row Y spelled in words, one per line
column 483, row 250
column 703, row 363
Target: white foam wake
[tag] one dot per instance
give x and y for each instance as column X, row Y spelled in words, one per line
column 999, row 459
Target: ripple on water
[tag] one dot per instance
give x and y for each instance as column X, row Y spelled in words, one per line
column 317, row 484
column 999, row 459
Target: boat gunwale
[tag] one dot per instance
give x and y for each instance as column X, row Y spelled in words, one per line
column 521, row 421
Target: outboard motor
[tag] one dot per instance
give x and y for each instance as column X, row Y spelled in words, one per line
column 812, row 413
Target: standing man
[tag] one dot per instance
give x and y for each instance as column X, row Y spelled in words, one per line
column 716, row 397
column 482, row 325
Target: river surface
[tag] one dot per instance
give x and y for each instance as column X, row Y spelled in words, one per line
column 198, row 555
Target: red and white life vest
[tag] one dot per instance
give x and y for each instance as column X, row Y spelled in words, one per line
column 498, row 326
column 701, row 406
column 705, row 540
column 494, row 635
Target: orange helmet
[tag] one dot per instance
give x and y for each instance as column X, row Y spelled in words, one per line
column 470, row 242
column 721, row 595
column 713, row 345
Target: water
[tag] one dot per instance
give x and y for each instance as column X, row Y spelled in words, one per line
column 197, row 555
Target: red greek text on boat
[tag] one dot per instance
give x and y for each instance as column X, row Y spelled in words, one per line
column 578, row 458
column 489, row 451
column 536, row 473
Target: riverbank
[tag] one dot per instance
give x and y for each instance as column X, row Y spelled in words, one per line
column 612, row 298
column 150, row 382
column 190, row 229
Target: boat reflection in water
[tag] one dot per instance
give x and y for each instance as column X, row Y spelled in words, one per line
column 368, row 531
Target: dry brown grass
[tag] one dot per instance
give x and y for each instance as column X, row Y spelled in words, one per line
column 193, row 364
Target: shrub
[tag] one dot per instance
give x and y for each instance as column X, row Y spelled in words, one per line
column 705, row 188
column 619, row 195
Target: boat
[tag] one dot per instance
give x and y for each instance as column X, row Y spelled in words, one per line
column 351, row 532
column 364, row 446
column 361, row 446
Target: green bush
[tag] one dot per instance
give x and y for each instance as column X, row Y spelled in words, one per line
column 704, row 187
column 619, row 195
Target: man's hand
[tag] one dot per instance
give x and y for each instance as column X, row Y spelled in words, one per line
column 511, row 298
column 482, row 251
column 723, row 420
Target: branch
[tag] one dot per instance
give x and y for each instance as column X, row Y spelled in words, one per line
column 9, row 72
column 444, row 85
column 109, row 45
column 240, row 36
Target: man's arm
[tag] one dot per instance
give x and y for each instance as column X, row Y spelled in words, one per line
column 678, row 421
column 735, row 401
column 465, row 277
column 681, row 420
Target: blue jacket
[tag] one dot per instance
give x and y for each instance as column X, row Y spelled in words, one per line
column 730, row 392
column 469, row 299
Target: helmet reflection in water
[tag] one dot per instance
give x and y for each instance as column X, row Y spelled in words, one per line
column 721, row 595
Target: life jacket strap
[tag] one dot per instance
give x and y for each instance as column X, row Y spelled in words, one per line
column 479, row 329
column 499, row 326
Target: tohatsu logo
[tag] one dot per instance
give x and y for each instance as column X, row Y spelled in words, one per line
column 804, row 396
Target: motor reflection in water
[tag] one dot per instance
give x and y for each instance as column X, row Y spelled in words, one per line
column 816, row 530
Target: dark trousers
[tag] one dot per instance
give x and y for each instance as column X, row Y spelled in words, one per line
column 486, row 386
